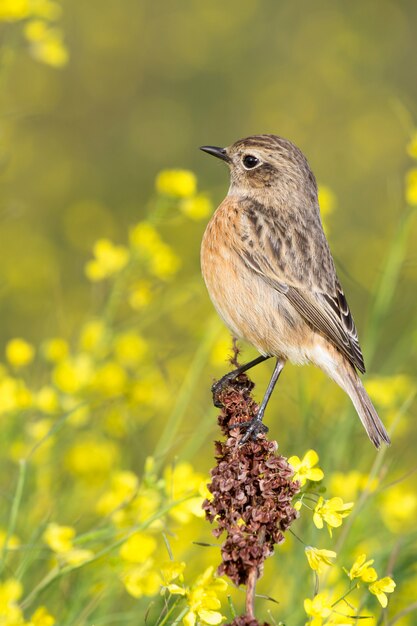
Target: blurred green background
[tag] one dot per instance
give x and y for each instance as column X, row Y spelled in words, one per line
column 81, row 142
column 148, row 82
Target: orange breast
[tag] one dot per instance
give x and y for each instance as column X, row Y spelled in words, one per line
column 250, row 308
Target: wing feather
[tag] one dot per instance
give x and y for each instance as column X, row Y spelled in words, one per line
column 316, row 295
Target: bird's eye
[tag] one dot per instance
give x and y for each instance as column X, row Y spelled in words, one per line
column 249, row 161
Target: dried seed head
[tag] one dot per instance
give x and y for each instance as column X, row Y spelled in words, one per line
column 252, row 490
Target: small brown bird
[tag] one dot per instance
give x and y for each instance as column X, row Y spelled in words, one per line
column 270, row 274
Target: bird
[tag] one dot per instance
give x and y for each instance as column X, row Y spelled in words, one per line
column 271, row 276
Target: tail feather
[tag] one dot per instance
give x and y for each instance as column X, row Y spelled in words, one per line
column 366, row 411
column 335, row 365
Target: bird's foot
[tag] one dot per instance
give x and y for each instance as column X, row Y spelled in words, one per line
column 218, row 387
column 251, row 430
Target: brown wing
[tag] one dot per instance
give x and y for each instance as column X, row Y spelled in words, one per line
column 296, row 261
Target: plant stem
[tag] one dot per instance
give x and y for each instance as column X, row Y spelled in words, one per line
column 173, row 422
column 14, row 511
column 250, row 593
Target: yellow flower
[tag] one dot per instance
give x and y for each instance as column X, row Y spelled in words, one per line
column 164, row 263
column 182, row 481
column 124, row 486
column 55, row 350
column 129, row 349
column 91, row 458
column 41, row 617
column 35, row 30
column 10, row 590
column 350, row 484
column 411, row 186
column 10, row 613
column 92, row 336
column 109, row 260
column 47, row 399
column 142, row 580
column 140, row 509
column 381, row 587
column 173, row 571
column 13, row 10
column 221, row 350
column 176, row 183
column 318, row 609
column 73, row 373
column 390, row 391
column 399, row 508
column 203, row 601
column 170, row 571
column 144, row 237
column 319, row 559
column 14, row 395
column 40, row 429
column 77, row 556
column 110, row 379
column 327, row 200
column 140, row 295
column 304, row 469
column 332, row 512
column 13, row 542
column 362, row 569
column 46, row 43
column 146, row 242
column 59, row 538
column 197, row 207
column 51, row 50
column 138, row 548
column 19, row 352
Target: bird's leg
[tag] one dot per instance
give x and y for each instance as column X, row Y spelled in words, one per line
column 220, row 384
column 253, row 428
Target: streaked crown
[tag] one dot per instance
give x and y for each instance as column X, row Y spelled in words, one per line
column 269, row 163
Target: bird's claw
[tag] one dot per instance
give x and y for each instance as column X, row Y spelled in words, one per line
column 250, row 429
column 216, row 390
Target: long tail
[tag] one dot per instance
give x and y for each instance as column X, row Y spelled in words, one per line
column 352, row 384
column 337, row 367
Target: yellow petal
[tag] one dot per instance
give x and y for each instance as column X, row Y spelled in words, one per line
column 176, row 590
column 310, row 458
column 189, row 619
column 382, row 598
column 315, row 474
column 388, row 584
column 369, row 575
column 295, row 462
column 210, row 617
column 318, row 520
column 333, row 519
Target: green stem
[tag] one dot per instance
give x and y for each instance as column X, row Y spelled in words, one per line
column 345, row 595
column 14, row 511
column 184, row 395
column 375, row 469
column 169, row 612
column 57, row 573
column 388, row 283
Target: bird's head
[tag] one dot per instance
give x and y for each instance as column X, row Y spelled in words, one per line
column 267, row 164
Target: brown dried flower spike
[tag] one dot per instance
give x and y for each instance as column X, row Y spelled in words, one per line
column 252, row 490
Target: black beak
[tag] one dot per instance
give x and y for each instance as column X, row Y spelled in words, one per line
column 220, row 153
